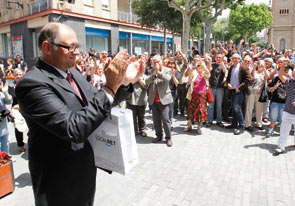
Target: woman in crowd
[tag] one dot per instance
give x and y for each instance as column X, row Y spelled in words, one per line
column 173, row 86
column 197, row 94
column 2, row 73
column 18, row 73
column 9, row 70
column 5, row 98
column 269, row 68
column 278, row 99
column 98, row 77
column 259, row 76
column 83, row 69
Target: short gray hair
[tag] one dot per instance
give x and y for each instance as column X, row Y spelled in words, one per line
column 17, row 71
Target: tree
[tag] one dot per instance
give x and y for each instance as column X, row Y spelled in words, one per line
column 157, row 14
column 221, row 30
column 209, row 16
column 247, row 20
column 187, row 9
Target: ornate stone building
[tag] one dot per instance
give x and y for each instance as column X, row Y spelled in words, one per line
column 282, row 31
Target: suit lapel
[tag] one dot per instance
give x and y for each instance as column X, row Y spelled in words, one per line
column 56, row 77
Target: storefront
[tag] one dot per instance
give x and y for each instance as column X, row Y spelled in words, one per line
column 98, row 39
column 124, row 42
column 158, row 43
column 140, row 43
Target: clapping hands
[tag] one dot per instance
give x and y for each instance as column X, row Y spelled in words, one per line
column 124, row 70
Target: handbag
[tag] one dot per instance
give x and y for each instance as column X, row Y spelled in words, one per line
column 263, row 95
column 113, row 142
column 210, row 98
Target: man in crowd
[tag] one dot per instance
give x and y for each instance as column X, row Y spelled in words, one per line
column 180, row 100
column 160, row 97
column 238, row 79
column 21, row 64
column 62, row 110
column 216, row 79
column 289, row 110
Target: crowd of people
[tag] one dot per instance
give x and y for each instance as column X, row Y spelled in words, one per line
column 227, row 83
column 244, row 85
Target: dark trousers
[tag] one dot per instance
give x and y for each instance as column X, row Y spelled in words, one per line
column 161, row 117
column 19, row 138
column 238, row 116
column 226, row 104
column 138, row 116
column 180, row 101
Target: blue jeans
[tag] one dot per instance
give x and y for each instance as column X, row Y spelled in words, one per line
column 276, row 111
column 218, row 97
column 4, row 143
column 237, row 102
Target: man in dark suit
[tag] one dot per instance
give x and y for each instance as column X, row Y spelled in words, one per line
column 61, row 110
column 238, row 80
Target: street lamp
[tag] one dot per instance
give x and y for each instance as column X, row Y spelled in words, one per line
column 17, row 3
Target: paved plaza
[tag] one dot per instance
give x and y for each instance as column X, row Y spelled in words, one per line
column 213, row 169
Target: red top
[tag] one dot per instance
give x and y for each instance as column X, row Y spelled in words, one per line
column 157, row 98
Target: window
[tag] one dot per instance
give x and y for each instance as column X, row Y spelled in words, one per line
column 35, row 34
column 105, row 4
column 69, row 1
column 18, row 5
column 282, row 44
column 6, row 45
column 8, row 5
column 284, row 11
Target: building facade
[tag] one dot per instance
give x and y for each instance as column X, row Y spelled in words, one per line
column 282, row 31
column 100, row 24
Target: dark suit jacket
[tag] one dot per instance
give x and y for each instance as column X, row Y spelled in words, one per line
column 244, row 77
column 58, row 119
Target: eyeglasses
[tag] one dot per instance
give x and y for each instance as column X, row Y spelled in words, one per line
column 69, row 48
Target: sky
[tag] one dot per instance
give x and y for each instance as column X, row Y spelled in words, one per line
column 225, row 13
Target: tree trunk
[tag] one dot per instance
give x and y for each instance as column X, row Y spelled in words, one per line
column 207, row 40
column 165, row 42
column 246, row 39
column 185, row 32
column 173, row 35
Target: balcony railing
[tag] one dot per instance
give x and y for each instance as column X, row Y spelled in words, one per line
column 39, row 5
column 124, row 16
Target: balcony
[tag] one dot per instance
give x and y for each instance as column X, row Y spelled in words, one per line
column 39, row 6
column 124, row 16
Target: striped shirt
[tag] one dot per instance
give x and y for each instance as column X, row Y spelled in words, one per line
column 290, row 84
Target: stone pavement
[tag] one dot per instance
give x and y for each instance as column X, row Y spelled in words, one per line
column 213, row 169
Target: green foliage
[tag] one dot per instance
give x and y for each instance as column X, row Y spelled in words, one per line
column 245, row 21
column 155, row 13
column 221, row 30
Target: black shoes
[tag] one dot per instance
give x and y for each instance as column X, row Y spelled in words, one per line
column 230, row 127
column 250, row 129
column 156, row 140
column 220, row 124
column 209, row 124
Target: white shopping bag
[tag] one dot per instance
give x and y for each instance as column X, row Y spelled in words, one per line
column 114, row 143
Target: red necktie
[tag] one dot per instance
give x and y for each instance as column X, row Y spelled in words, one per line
column 73, row 84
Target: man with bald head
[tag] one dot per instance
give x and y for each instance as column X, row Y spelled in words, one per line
column 62, row 110
column 238, row 80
